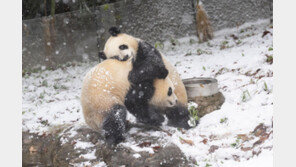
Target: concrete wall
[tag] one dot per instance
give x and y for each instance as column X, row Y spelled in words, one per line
column 78, row 36
column 52, row 41
column 230, row 13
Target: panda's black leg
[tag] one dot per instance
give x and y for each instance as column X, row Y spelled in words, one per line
column 136, row 101
column 114, row 124
column 178, row 116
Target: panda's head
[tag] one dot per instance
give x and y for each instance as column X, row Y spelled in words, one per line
column 164, row 95
column 119, row 46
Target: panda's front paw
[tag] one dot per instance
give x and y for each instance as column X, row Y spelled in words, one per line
column 156, row 118
column 178, row 116
column 151, row 118
column 114, row 139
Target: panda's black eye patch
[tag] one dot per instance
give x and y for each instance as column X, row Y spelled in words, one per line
column 123, row 47
column 170, row 91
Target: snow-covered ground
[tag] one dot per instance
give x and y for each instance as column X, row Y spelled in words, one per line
column 239, row 58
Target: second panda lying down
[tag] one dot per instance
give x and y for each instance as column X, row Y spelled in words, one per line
column 106, row 90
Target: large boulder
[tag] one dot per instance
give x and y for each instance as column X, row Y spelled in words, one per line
column 80, row 146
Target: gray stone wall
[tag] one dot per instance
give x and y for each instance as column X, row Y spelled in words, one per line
column 152, row 20
column 79, row 35
column 231, row 13
column 53, row 41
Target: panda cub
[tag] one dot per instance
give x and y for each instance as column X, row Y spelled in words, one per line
column 147, row 61
column 148, row 64
column 104, row 92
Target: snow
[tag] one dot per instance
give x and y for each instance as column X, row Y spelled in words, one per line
column 98, row 164
column 83, row 145
column 51, row 98
column 90, row 155
column 137, row 155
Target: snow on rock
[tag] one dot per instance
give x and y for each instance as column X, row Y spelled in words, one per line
column 137, row 155
column 239, row 58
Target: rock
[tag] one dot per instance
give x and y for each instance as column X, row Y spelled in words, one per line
column 208, row 104
column 169, row 155
column 213, row 148
column 72, row 146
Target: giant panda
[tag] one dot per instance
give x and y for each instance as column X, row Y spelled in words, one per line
column 122, row 46
column 147, row 61
column 106, row 92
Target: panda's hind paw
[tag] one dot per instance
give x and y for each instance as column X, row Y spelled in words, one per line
column 114, row 139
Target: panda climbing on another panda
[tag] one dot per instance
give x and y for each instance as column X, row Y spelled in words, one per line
column 147, row 61
column 105, row 90
column 148, row 64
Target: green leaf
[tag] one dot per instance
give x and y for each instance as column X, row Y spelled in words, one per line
column 204, row 68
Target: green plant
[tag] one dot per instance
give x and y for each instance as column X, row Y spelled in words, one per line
column 236, row 144
column 199, row 52
column 196, row 163
column 188, row 54
column 223, row 120
column 106, row 7
column 246, row 96
column 233, row 144
column 208, row 165
column 159, row 45
column 192, row 41
column 238, row 42
column 225, row 42
column 177, row 63
column 204, row 68
column 224, row 45
column 117, row 17
column 265, row 87
column 192, row 108
column 209, row 44
column 174, row 41
column 64, row 87
column 269, row 59
column 41, row 96
column 270, row 49
column 56, row 86
column 243, row 54
column 44, row 83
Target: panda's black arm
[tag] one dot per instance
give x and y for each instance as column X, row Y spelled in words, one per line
column 136, row 101
column 149, row 115
column 148, row 64
column 147, row 72
column 144, row 112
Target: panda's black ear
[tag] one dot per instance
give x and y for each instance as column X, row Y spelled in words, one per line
column 114, row 31
column 102, row 55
